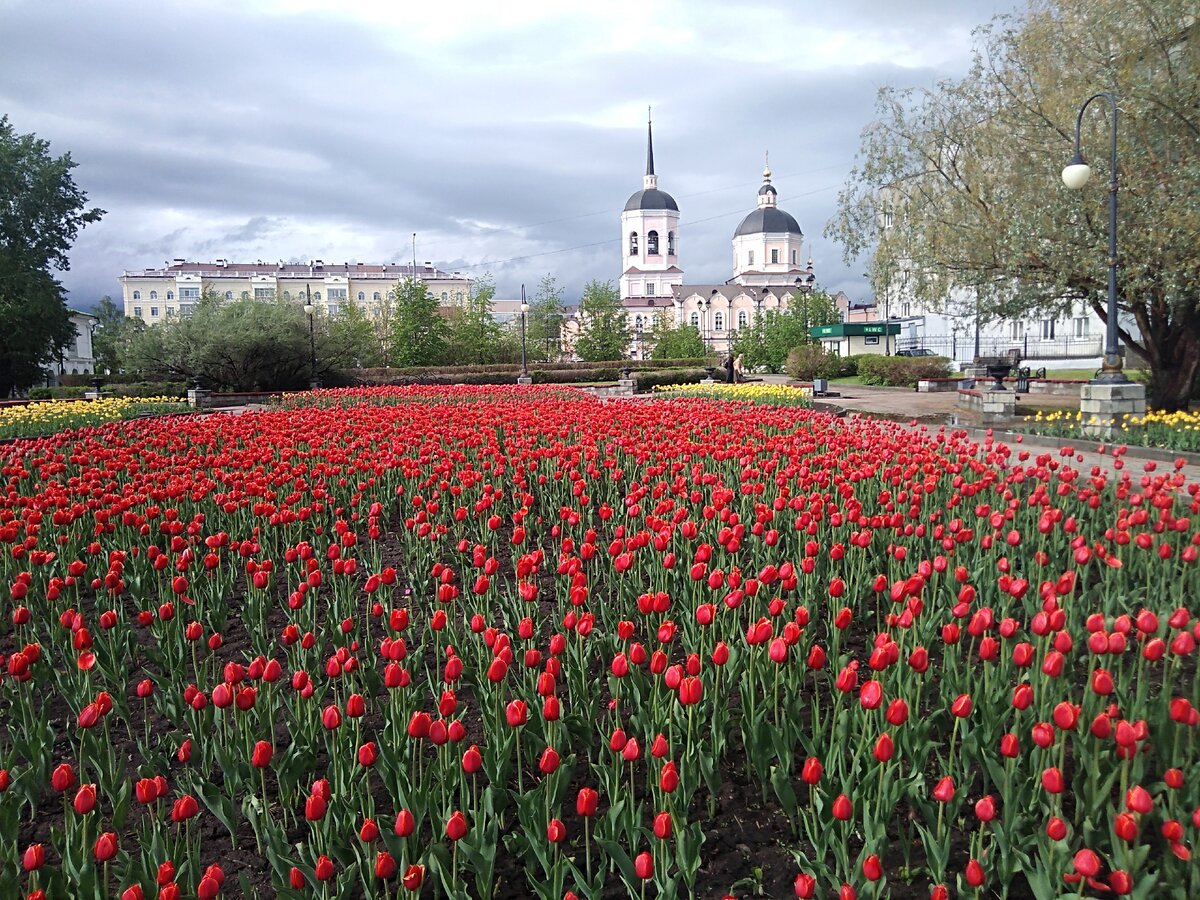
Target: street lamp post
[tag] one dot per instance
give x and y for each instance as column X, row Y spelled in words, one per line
column 1075, row 176
column 312, row 344
column 524, row 311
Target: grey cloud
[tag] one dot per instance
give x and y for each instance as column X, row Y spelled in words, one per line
column 257, row 130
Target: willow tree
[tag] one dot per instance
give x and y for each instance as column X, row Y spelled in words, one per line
column 966, row 177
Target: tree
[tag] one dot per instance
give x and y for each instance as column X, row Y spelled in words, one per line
column 243, row 345
column 418, row 333
column 966, row 176
column 675, row 341
column 113, row 336
column 352, row 339
column 774, row 334
column 603, row 325
column 544, row 321
column 475, row 337
column 41, row 212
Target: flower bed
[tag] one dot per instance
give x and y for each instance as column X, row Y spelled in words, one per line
column 520, row 643
column 770, row 394
column 48, row 417
column 1169, row 431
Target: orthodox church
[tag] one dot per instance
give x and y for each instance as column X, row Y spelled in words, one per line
column 767, row 273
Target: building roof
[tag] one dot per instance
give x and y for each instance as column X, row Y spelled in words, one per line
column 651, row 198
column 730, row 291
column 854, row 329
column 222, row 268
column 671, row 270
column 768, row 220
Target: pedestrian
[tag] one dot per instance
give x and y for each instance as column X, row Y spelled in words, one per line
column 737, row 369
column 728, row 366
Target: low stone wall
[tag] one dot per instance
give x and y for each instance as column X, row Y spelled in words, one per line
column 939, row 385
column 993, row 407
column 1055, row 387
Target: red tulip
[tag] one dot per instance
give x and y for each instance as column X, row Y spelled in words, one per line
column 261, row 757
column 324, row 868
column 805, row 886
column 385, row 865
column 842, row 808
column 556, row 831
column 975, row 875
column 405, row 823
column 62, row 779
column 587, row 801
column 812, row 771
column 1087, row 863
column 884, row 748
column 643, row 866
column 943, row 792
column 1052, row 780
column 106, row 847
column 413, row 876
column 872, row 868
column 85, row 799
column 456, row 826
column 662, row 826
column 962, row 706
column 34, row 857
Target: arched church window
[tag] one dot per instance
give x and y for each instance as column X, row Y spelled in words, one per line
column 742, row 318
column 694, row 320
column 154, row 295
column 633, row 243
column 719, row 321
column 445, row 296
column 637, row 323
column 137, row 295
column 652, row 243
column 670, row 243
column 361, row 296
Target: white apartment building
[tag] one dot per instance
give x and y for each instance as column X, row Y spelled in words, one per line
column 159, row 295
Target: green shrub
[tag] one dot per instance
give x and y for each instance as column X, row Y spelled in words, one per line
column 41, row 393
column 148, row 389
column 811, row 361
column 848, row 365
column 649, row 380
column 901, row 371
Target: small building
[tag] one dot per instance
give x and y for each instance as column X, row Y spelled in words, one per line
column 853, row 338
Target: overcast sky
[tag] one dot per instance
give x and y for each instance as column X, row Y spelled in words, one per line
column 507, row 135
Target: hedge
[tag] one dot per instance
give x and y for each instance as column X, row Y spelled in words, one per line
column 647, row 381
column 135, row 389
column 901, row 371
column 406, row 375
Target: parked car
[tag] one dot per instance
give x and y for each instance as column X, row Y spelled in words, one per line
column 915, row 351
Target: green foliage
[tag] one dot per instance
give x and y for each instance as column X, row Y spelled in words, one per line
column 900, row 371
column 544, row 321
column 113, row 336
column 474, row 336
column 41, row 212
column 352, row 341
column 604, row 327
column 966, row 175
column 241, row 345
column 418, row 333
column 767, row 342
column 675, row 341
column 812, row 361
column 647, row 380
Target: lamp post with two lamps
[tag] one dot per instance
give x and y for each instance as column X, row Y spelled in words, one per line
column 1075, row 176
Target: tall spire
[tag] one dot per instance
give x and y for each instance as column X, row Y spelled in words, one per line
column 649, row 144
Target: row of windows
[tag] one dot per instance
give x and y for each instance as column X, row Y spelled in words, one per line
column 269, row 294
column 774, row 257
column 1079, row 329
column 651, row 243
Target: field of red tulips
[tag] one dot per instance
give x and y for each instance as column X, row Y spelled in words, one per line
column 500, row 643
